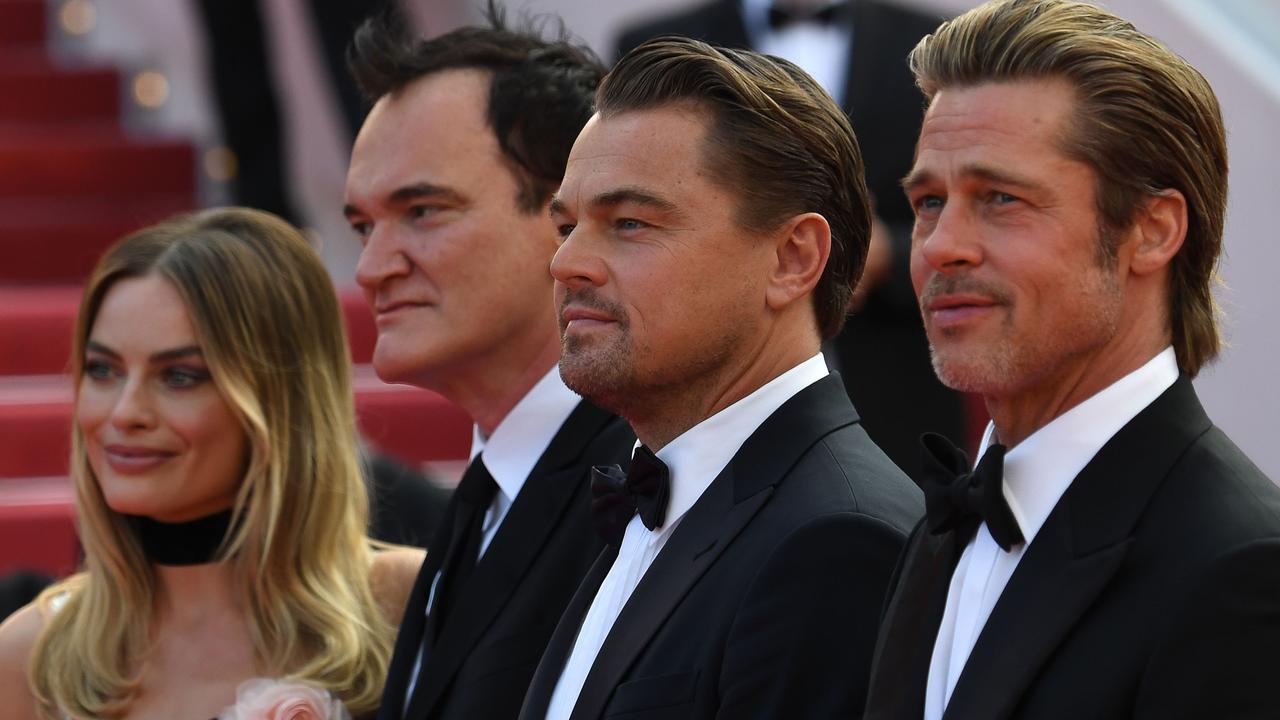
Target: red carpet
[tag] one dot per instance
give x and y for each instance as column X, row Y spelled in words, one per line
column 72, row 182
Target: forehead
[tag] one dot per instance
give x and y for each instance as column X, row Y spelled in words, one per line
column 146, row 312
column 1023, row 122
column 658, row 148
column 429, row 131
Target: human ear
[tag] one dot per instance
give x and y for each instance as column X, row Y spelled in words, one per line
column 802, row 247
column 1160, row 229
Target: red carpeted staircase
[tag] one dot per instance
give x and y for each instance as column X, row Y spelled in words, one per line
column 72, row 181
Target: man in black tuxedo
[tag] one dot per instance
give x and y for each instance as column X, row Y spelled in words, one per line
column 1112, row 554
column 751, row 539
column 448, row 189
column 857, row 49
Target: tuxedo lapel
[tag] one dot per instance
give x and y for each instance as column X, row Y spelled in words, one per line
column 547, row 675
column 536, row 512
column 412, row 625
column 1075, row 555
column 704, row 533
column 904, row 648
column 722, row 512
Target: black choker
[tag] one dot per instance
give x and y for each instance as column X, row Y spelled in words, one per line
column 194, row 542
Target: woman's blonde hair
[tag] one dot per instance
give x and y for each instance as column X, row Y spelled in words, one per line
column 270, row 328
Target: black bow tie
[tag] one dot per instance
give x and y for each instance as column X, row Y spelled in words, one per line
column 956, row 498
column 780, row 17
column 617, row 496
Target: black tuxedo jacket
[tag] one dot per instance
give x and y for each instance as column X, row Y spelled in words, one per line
column 486, row 652
column 882, row 353
column 765, row 600
column 1151, row 591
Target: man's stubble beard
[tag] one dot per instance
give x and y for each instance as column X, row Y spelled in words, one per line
column 1012, row 364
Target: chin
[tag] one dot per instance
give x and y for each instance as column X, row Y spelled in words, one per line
column 602, row 382
column 982, row 375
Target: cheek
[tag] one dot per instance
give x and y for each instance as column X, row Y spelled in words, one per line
column 92, row 409
column 212, row 434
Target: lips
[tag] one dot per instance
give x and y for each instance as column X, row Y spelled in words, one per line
column 388, row 309
column 133, row 459
column 577, row 317
column 949, row 311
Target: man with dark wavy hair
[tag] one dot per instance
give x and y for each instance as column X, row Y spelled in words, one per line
column 1113, row 554
column 714, row 220
column 448, row 189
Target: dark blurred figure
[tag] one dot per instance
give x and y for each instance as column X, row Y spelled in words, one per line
column 19, row 588
column 858, row 50
column 248, row 101
column 405, row 506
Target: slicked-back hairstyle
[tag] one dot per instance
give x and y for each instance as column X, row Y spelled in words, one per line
column 1145, row 120
column 539, row 95
column 776, row 140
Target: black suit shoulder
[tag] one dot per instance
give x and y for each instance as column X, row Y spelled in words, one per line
column 783, row 621
column 488, row 648
column 1212, row 537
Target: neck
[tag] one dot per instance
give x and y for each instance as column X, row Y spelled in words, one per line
column 191, row 594
column 669, row 412
column 1018, row 415
column 488, row 391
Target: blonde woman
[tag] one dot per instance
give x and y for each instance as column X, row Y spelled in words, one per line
column 218, row 490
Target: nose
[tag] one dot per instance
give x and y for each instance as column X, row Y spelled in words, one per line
column 578, row 262
column 952, row 243
column 381, row 258
column 133, row 408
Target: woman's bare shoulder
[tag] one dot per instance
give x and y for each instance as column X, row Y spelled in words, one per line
column 18, row 636
column 392, row 575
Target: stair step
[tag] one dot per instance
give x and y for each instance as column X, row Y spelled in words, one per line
column 73, row 165
column 410, row 424
column 60, row 240
column 22, row 22
column 49, row 95
column 37, row 524
column 36, row 323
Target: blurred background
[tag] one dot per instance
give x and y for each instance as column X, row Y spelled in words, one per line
column 117, row 113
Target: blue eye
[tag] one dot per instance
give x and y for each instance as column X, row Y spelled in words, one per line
column 97, row 370
column 631, row 224
column 929, row 202
column 1004, row 198
column 180, row 377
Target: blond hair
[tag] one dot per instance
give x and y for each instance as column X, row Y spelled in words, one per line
column 270, row 328
column 1146, row 121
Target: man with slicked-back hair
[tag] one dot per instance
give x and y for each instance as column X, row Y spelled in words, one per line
column 448, row 189
column 1112, row 554
column 714, row 220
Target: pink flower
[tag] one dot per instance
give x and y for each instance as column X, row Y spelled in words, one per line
column 264, row 699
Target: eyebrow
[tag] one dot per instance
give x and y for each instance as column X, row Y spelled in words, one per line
column 920, row 177
column 409, row 193
column 162, row 356
column 617, row 197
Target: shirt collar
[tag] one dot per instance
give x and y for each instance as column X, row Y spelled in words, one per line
column 524, row 434
column 698, row 455
column 1040, row 469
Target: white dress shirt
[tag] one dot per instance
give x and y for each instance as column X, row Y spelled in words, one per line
column 1037, row 471
column 694, row 460
column 510, row 454
column 820, row 50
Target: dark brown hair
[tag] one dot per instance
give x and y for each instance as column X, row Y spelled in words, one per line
column 1145, row 121
column 776, row 140
column 539, row 94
